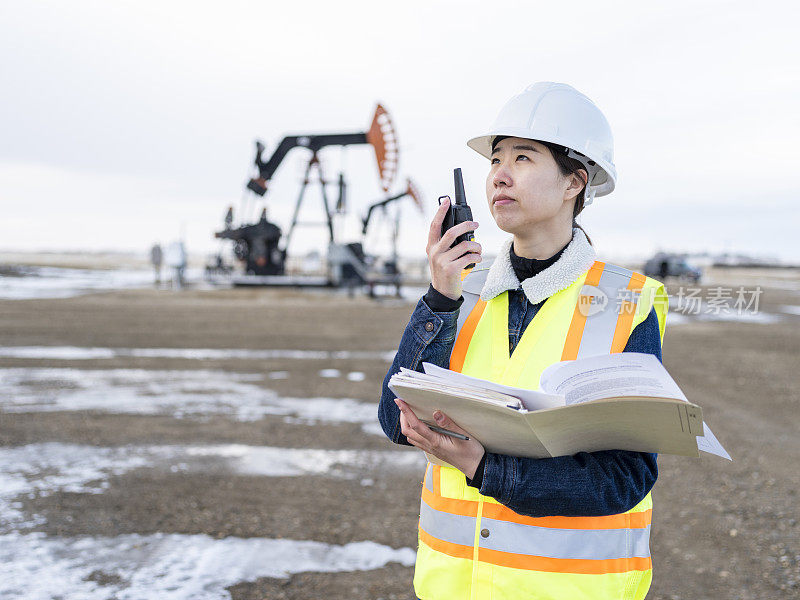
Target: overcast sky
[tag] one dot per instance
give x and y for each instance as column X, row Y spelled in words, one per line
column 124, row 123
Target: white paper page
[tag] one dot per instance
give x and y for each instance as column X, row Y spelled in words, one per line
column 421, row 381
column 531, row 399
column 417, row 376
column 709, row 443
column 608, row 376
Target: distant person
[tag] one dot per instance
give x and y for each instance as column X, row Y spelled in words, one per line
column 156, row 257
column 508, row 527
column 175, row 257
column 663, row 269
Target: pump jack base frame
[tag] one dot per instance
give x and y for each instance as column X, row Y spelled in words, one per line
column 298, row 281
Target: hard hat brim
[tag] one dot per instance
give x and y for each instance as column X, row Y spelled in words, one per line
column 483, row 146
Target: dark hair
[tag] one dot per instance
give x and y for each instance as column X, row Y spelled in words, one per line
column 566, row 166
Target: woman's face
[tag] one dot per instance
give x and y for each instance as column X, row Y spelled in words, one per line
column 524, row 185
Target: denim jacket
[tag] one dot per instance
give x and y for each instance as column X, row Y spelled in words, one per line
column 584, row 484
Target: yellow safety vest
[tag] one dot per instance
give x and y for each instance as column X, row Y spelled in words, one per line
column 471, row 547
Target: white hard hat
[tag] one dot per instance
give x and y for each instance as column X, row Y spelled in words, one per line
column 559, row 114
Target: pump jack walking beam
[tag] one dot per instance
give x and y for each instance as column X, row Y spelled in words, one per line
column 381, row 136
column 411, row 190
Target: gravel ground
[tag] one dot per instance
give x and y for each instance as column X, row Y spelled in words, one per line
column 720, row 529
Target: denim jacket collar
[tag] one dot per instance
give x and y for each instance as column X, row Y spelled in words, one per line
column 576, row 259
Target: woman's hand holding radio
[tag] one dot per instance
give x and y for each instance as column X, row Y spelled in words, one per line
column 446, row 262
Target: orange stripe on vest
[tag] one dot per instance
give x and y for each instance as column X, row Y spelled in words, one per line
column 529, row 562
column 564, row 565
column 436, row 472
column 459, row 353
column 626, row 313
column 575, row 333
column 498, row 512
column 448, row 548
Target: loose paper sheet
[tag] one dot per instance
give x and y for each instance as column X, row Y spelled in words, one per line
column 531, row 399
column 709, row 443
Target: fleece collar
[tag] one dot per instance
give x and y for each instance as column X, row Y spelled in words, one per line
column 575, row 260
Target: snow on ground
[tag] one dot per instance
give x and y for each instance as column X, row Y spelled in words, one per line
column 182, row 394
column 56, row 282
column 757, row 317
column 167, row 566
column 790, row 284
column 705, row 314
column 676, row 318
column 292, row 462
column 42, row 469
column 28, row 282
column 160, row 566
column 95, row 353
column 790, row 309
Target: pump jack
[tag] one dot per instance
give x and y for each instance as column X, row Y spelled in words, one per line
column 390, row 266
column 261, row 246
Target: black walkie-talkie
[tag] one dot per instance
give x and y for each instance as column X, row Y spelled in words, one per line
column 458, row 212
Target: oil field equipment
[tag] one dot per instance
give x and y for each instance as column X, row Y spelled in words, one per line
column 262, row 247
column 391, row 269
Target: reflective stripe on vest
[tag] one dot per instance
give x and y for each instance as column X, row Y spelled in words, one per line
column 470, row 312
column 600, row 291
column 600, row 546
column 471, row 546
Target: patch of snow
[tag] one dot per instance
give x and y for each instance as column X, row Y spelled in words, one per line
column 676, row 318
column 788, row 285
column 408, row 293
column 355, row 376
column 790, row 309
column 57, row 282
column 168, row 566
column 57, row 352
column 78, row 353
column 42, row 469
column 178, row 393
column 292, row 462
column 725, row 314
column 760, row 318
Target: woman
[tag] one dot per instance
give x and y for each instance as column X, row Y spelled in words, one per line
column 498, row 526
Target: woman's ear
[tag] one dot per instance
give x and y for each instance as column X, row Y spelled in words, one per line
column 577, row 181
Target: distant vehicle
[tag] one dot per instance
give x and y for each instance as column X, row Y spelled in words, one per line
column 664, row 265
